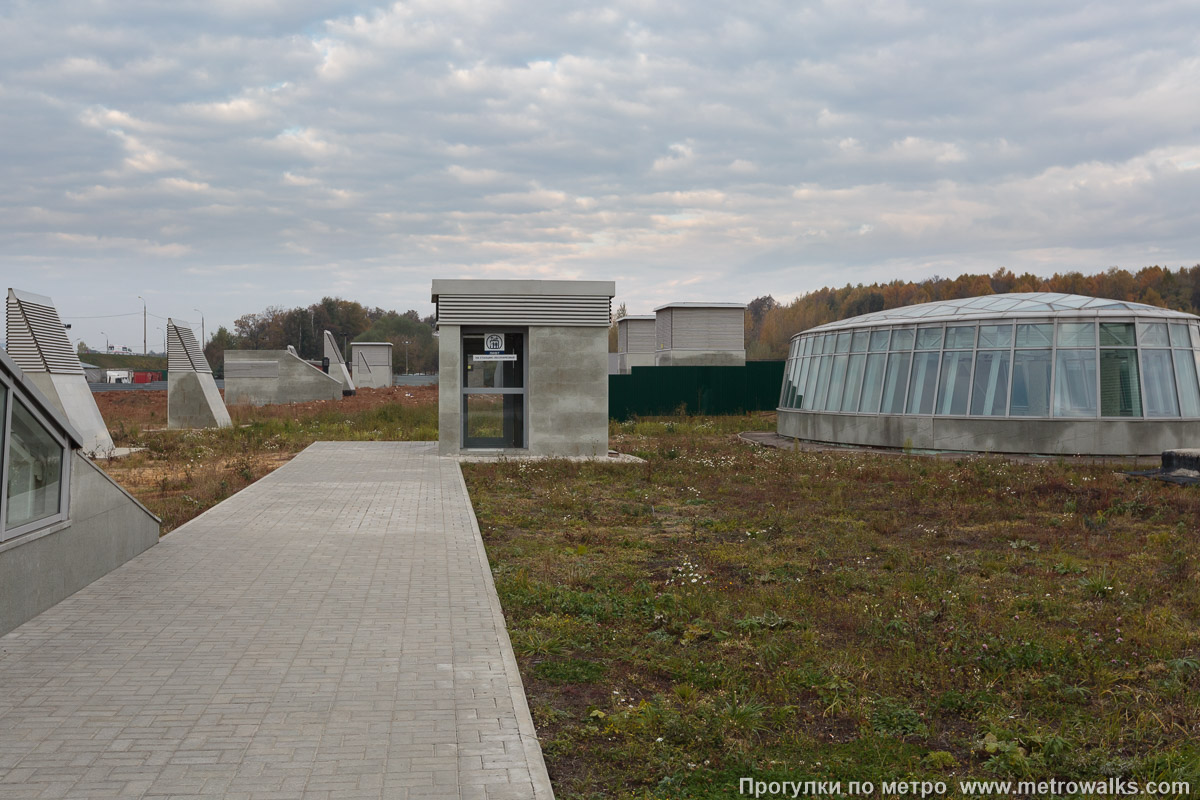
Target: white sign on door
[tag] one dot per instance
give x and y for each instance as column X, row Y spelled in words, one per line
column 493, row 342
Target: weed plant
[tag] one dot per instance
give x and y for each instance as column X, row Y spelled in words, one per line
column 725, row 611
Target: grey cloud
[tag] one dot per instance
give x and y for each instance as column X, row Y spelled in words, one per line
column 691, row 150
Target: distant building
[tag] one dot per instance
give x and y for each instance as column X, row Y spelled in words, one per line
column 523, row 366
column 635, row 342
column 700, row 334
column 372, row 364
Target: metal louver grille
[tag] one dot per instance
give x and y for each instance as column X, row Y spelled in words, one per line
column 37, row 341
column 524, row 310
column 183, row 351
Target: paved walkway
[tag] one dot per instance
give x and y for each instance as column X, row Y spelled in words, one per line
column 330, row 632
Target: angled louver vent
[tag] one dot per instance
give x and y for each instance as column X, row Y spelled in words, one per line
column 473, row 309
column 37, row 340
column 183, row 351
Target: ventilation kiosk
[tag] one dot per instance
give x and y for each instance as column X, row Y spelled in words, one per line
column 523, row 366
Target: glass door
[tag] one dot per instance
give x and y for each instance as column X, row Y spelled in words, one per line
column 493, row 393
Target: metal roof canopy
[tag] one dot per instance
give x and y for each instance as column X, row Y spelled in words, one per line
column 523, row 302
column 702, row 305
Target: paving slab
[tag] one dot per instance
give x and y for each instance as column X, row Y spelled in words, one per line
column 331, row 631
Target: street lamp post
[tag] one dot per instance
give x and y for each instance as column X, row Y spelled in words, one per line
column 164, row 333
column 201, row 313
column 105, row 335
column 406, row 344
column 144, row 338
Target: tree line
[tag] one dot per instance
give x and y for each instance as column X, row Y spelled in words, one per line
column 770, row 325
column 303, row 328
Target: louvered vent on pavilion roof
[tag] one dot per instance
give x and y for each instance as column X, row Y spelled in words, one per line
column 37, row 341
column 183, row 351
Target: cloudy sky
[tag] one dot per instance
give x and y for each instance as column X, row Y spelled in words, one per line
column 227, row 155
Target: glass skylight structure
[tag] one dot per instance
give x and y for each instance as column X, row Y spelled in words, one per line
column 1014, row 356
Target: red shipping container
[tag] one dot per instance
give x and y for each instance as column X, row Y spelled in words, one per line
column 145, row 377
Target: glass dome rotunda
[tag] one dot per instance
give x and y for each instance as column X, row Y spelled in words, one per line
column 1029, row 372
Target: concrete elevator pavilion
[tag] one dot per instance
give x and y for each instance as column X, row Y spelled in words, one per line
column 523, row 366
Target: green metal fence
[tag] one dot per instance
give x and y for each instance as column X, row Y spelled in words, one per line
column 658, row 391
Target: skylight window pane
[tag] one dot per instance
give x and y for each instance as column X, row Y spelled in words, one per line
column 955, row 383
column 35, row 465
column 1178, row 334
column 1153, row 334
column 1036, row 335
column 837, row 384
column 922, row 386
column 1160, row 383
column 1073, row 302
column 960, row 336
column 990, row 393
column 1075, row 384
column 854, row 377
column 929, row 338
column 1076, row 334
column 810, row 385
column 1031, row 384
column 1116, row 333
column 895, row 383
column 1120, row 395
column 872, row 384
column 902, row 339
column 995, row 335
column 1185, row 379
column 822, row 388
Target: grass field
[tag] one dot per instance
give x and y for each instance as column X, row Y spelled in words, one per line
column 728, row 611
column 115, row 361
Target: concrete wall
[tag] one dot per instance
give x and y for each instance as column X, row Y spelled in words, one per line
column 567, row 391
column 71, row 395
column 627, row 361
column 267, row 377
column 993, row 435
column 194, row 402
column 700, row 358
column 449, row 389
column 105, row 529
